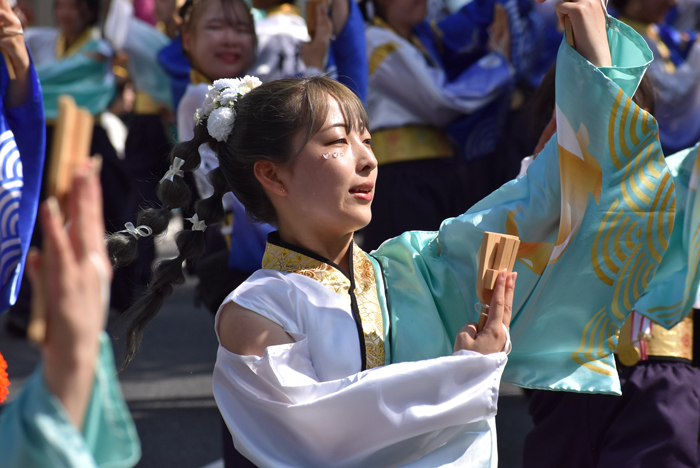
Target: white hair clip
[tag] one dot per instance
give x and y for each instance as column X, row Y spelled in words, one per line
column 197, row 224
column 219, row 106
column 175, row 170
column 140, row 231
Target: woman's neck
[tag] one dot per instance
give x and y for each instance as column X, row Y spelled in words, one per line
column 336, row 249
column 70, row 37
column 403, row 30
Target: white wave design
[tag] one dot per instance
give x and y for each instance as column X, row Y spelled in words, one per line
column 11, row 185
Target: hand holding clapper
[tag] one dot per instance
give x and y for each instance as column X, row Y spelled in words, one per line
column 498, row 251
column 70, row 150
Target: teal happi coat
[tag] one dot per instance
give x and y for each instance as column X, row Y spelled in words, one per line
column 594, row 214
column 673, row 290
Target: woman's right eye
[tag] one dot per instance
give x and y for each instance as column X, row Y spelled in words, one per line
column 213, row 26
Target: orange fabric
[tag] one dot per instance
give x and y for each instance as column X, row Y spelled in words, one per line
column 4, row 381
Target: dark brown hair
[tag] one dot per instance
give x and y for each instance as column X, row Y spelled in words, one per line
column 273, row 122
column 541, row 106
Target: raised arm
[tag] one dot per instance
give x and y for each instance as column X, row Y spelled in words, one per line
column 594, row 214
column 19, row 90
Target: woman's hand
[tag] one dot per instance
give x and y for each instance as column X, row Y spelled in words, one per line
column 492, row 339
column 340, row 10
column 314, row 53
column 499, row 32
column 73, row 274
column 12, row 44
column 588, row 21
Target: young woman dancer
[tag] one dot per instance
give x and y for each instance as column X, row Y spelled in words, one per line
column 73, row 59
column 333, row 357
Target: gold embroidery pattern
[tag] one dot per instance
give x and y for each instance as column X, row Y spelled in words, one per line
column 379, row 54
column 368, row 305
column 635, row 230
column 289, row 261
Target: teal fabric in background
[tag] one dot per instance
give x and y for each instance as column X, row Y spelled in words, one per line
column 89, row 81
column 35, row 431
column 594, row 214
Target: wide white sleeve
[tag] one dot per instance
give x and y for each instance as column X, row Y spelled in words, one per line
column 116, row 29
column 672, row 88
column 281, row 415
column 405, row 76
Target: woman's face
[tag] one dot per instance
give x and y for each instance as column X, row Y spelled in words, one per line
column 648, row 11
column 334, row 194
column 70, row 16
column 220, row 45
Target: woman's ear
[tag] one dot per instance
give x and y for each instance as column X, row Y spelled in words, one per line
column 186, row 40
column 267, row 174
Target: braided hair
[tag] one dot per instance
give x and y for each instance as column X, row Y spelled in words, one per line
column 268, row 120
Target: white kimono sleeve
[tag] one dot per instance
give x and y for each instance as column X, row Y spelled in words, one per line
column 434, row 412
column 672, row 88
column 405, row 77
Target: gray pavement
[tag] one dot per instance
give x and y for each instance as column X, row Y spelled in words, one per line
column 168, row 388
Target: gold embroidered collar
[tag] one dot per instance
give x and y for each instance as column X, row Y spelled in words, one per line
column 62, row 52
column 283, row 9
column 377, row 21
column 360, row 289
column 197, row 77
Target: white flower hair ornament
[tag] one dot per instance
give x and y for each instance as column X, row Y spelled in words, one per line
column 219, row 107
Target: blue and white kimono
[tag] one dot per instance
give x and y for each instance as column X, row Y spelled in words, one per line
column 445, row 77
column 22, row 145
column 675, row 75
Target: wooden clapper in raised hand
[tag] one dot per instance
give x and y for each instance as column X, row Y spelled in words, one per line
column 69, row 151
column 498, row 251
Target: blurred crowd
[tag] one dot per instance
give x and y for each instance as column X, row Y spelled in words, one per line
column 458, row 93
column 450, row 87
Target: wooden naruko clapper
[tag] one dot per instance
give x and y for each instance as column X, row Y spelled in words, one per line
column 498, row 251
column 69, row 151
